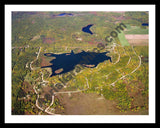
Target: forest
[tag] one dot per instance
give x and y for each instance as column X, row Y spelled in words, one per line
column 124, row 80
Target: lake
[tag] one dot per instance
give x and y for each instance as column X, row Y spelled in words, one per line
column 145, row 24
column 65, row 14
column 66, row 62
column 87, row 29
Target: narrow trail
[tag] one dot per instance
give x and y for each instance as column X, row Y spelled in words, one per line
column 77, row 91
column 46, row 109
column 87, row 82
column 43, row 81
column 35, row 59
column 37, row 99
column 69, row 92
column 130, row 72
column 111, row 83
column 129, row 61
column 119, row 56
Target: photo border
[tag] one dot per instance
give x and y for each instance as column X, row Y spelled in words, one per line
column 79, row 118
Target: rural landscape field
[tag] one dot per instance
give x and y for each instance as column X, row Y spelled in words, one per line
column 80, row 63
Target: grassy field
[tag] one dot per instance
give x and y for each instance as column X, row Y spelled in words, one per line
column 122, row 39
column 136, row 30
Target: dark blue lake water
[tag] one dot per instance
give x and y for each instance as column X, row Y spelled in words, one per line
column 87, row 29
column 65, row 14
column 68, row 61
column 145, row 24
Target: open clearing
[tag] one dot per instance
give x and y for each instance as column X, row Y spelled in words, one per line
column 141, row 39
column 140, row 36
column 90, row 104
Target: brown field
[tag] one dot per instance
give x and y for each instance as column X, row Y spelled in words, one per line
column 90, row 104
column 141, row 39
column 139, row 42
column 45, row 62
column 48, row 40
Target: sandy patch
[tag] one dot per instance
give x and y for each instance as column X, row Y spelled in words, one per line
column 140, row 36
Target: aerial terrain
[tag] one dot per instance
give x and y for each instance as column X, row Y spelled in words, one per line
column 80, row 63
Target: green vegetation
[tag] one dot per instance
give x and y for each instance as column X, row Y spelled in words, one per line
column 122, row 39
column 37, row 33
column 136, row 30
column 132, row 92
column 20, row 61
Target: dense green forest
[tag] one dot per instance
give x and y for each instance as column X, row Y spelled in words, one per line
column 37, row 33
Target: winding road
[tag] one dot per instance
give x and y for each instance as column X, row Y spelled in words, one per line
column 69, row 92
column 35, row 59
column 131, row 72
